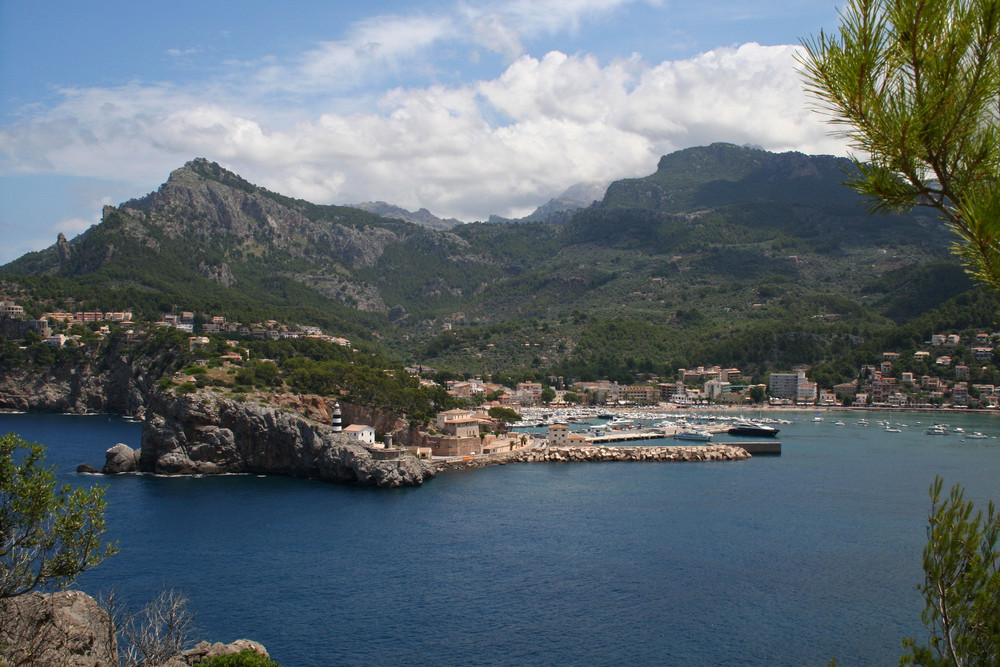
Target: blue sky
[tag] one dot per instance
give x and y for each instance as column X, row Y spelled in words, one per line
column 465, row 107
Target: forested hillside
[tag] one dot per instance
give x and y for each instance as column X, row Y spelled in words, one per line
column 723, row 255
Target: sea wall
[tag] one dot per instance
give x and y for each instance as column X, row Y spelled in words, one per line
column 203, row 433
column 603, row 454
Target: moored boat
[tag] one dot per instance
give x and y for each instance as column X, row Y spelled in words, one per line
column 700, row 435
column 746, row 427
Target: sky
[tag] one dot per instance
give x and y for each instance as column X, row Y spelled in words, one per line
column 465, row 107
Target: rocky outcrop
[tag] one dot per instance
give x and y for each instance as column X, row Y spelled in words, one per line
column 203, row 433
column 206, row 650
column 120, row 458
column 64, row 628
column 319, row 408
column 112, row 386
column 63, row 248
column 220, row 273
column 69, row 628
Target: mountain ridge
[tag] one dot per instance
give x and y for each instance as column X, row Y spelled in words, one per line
column 715, row 238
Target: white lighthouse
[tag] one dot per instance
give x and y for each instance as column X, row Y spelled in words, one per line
column 336, row 418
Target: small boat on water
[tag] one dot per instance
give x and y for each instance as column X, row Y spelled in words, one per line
column 976, row 435
column 936, row 429
column 701, row 435
column 892, row 429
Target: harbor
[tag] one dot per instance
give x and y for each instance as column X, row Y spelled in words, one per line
column 584, row 429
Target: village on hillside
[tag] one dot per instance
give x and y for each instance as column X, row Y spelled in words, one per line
column 949, row 371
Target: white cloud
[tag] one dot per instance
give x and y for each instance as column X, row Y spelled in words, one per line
column 466, row 151
column 533, row 17
column 373, row 50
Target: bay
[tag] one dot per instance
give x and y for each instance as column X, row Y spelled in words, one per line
column 789, row 560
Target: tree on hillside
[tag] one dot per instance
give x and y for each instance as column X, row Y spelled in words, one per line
column 503, row 416
column 548, row 395
column 48, row 535
column 915, row 87
column 961, row 586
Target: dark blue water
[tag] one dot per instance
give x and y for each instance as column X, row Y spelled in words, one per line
column 789, row 560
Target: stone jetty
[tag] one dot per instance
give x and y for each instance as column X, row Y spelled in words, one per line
column 716, row 452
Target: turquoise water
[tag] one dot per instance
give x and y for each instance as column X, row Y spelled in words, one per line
column 789, row 560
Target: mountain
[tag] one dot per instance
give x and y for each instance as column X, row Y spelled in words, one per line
column 722, row 252
column 423, row 217
column 560, row 209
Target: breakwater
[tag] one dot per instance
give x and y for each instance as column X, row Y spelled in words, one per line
column 717, row 452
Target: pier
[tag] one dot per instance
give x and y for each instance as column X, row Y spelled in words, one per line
column 676, row 453
column 761, row 448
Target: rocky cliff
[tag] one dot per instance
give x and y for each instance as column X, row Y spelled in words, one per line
column 203, row 433
column 319, row 408
column 113, row 386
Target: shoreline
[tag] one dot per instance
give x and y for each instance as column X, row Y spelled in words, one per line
column 726, row 409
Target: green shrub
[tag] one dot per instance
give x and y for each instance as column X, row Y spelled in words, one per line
column 245, row 658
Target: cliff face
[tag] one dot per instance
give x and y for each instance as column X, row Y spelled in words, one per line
column 318, row 408
column 112, row 387
column 203, row 433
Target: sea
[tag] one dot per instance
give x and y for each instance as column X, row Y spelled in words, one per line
column 777, row 560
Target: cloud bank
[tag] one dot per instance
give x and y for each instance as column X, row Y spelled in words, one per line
column 322, row 125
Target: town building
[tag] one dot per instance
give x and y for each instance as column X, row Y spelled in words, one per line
column 361, row 432
column 642, row 394
column 11, row 309
column 806, row 392
column 846, row 389
column 716, row 389
column 785, row 385
column 558, row 435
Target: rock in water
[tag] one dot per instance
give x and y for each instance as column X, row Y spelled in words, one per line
column 120, row 458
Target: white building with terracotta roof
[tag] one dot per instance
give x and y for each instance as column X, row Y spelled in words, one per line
column 362, row 432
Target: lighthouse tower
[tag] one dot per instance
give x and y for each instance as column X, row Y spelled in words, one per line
column 336, row 418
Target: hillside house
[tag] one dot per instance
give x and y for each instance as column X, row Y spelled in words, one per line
column 462, row 427
column 10, row 309
column 447, row 415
